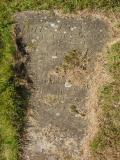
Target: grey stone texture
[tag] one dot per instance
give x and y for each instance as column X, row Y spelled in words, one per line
column 54, row 130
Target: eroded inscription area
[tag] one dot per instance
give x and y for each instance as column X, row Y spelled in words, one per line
column 62, row 57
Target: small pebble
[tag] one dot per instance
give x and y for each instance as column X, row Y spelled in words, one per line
column 58, row 21
column 37, row 37
column 71, row 29
column 54, row 25
column 37, row 50
column 77, row 115
column 68, row 85
column 57, row 114
column 54, row 57
column 33, row 40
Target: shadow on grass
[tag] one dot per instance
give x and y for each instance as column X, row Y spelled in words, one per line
column 23, row 84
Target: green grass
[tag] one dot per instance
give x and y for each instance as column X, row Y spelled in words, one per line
column 73, row 109
column 72, row 60
column 11, row 112
column 66, row 5
column 106, row 144
column 8, row 133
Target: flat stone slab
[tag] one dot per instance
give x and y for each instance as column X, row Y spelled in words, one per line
column 57, row 116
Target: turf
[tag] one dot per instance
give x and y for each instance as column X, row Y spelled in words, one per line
column 106, row 144
column 11, row 112
column 68, row 6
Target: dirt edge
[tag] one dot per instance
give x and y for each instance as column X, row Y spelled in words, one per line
column 100, row 77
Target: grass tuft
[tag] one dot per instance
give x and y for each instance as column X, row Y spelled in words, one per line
column 106, row 144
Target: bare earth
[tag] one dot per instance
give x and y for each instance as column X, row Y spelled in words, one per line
column 58, row 115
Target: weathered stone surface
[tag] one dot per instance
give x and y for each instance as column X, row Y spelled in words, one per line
column 57, row 120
